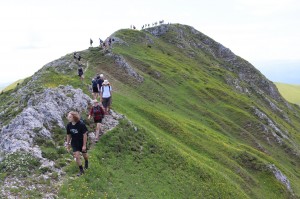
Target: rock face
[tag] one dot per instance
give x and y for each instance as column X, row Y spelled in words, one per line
column 122, row 63
column 43, row 111
column 280, row 176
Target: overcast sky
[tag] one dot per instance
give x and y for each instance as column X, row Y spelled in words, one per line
column 264, row 32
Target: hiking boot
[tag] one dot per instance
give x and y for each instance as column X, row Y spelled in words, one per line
column 81, row 172
column 86, row 165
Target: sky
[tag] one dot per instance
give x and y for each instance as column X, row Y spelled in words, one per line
column 264, row 32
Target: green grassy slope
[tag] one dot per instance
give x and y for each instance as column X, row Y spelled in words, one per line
column 196, row 138
column 290, row 92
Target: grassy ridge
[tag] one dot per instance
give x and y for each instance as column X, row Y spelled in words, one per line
column 290, row 92
column 196, row 137
column 13, row 85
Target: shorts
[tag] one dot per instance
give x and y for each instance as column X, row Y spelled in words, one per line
column 95, row 90
column 78, row 148
column 106, row 102
column 98, row 120
column 80, row 74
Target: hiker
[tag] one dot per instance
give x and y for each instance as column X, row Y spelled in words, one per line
column 78, row 57
column 80, row 73
column 97, row 113
column 95, row 88
column 106, row 96
column 99, row 83
column 75, row 56
column 77, row 139
column 91, row 42
column 109, row 42
column 101, row 42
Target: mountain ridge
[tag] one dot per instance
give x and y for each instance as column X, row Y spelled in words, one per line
column 226, row 127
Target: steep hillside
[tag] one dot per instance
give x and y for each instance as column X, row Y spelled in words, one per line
column 204, row 122
column 290, row 92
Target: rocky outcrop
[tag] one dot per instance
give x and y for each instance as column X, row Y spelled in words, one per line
column 158, row 30
column 123, row 64
column 44, row 110
column 280, row 176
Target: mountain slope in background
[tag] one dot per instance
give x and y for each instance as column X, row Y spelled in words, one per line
column 290, row 92
column 207, row 124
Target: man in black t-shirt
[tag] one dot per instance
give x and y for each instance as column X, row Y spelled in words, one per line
column 77, row 138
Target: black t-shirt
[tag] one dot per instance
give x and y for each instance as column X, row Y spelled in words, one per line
column 77, row 132
column 100, row 82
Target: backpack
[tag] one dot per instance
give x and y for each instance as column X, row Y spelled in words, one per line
column 97, row 112
column 94, row 82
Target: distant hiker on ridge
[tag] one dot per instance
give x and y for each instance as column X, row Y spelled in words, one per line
column 109, row 42
column 106, row 96
column 95, row 88
column 77, row 138
column 97, row 113
column 100, row 42
column 91, row 42
column 80, row 73
column 76, row 56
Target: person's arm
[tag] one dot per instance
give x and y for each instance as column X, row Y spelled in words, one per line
column 84, row 141
column 68, row 141
column 91, row 113
column 102, row 112
column 101, row 93
column 110, row 91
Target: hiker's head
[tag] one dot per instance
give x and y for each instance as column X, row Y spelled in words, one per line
column 105, row 83
column 95, row 102
column 73, row 116
column 101, row 76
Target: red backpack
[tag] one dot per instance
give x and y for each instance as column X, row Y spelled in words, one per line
column 98, row 112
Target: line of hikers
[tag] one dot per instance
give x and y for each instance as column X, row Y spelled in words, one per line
column 105, row 45
column 76, row 128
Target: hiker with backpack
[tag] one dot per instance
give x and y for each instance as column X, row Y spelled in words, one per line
column 95, row 88
column 91, row 42
column 97, row 113
column 99, row 83
column 77, row 139
column 106, row 96
column 80, row 73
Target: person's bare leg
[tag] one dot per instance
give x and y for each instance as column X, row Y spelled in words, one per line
column 77, row 157
column 97, row 132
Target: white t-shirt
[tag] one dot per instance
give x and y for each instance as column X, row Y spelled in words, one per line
column 106, row 91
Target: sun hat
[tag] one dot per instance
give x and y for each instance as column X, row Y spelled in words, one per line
column 106, row 82
column 101, row 75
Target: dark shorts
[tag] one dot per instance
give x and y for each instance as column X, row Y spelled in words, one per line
column 78, row 148
column 98, row 120
column 80, row 74
column 106, row 102
column 95, row 90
